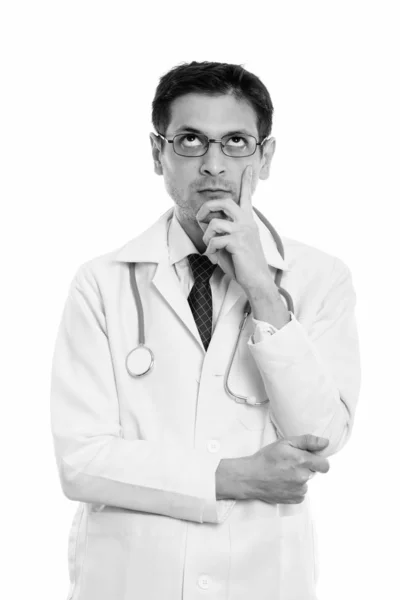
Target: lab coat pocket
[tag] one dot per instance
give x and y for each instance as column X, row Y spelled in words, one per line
column 297, row 552
column 246, row 381
column 253, row 417
column 256, row 557
column 107, row 558
column 76, row 548
column 125, row 548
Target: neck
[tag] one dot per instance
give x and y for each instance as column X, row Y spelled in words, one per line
column 192, row 229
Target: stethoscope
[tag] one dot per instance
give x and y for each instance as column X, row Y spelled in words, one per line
column 140, row 360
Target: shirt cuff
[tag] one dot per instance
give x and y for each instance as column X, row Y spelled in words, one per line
column 263, row 329
column 290, row 342
column 217, row 511
column 224, row 507
column 213, row 510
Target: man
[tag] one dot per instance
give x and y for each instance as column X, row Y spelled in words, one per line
column 184, row 492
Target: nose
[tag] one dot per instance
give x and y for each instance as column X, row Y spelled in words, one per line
column 214, row 161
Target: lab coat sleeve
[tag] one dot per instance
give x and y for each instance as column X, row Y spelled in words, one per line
column 311, row 373
column 95, row 463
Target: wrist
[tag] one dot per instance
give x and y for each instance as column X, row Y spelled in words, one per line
column 231, row 479
column 268, row 305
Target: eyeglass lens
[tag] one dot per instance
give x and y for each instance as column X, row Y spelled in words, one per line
column 193, row 144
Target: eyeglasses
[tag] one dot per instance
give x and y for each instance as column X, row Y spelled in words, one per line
column 197, row 144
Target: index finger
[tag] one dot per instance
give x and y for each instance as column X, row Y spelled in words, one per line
column 245, row 190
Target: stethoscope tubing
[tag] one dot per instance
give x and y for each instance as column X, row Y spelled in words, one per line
column 139, row 305
column 141, row 330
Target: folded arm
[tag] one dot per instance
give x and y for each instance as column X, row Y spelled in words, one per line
column 96, row 464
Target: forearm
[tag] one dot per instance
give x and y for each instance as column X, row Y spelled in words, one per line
column 96, row 463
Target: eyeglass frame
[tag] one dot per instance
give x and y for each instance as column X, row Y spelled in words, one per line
column 211, row 141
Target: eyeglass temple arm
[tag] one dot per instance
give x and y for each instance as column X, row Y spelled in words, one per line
column 164, row 138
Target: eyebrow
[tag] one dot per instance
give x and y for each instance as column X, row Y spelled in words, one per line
column 190, row 129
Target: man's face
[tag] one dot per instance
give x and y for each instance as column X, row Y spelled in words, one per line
column 187, row 178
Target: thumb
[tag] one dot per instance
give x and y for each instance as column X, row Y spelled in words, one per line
column 309, row 442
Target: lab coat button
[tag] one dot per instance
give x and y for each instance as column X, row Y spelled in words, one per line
column 203, row 582
column 213, row 446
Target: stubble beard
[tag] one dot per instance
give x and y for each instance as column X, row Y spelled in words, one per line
column 185, row 210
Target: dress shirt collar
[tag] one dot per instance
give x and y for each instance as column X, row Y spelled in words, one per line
column 179, row 243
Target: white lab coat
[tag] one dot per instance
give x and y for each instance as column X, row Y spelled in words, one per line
column 140, row 455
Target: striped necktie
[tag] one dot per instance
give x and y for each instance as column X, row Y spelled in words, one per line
column 200, row 299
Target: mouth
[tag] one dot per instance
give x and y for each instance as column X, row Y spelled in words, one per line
column 214, row 191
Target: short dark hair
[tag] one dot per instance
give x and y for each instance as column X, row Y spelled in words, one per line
column 211, row 78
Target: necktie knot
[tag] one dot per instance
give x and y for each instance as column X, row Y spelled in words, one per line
column 202, row 267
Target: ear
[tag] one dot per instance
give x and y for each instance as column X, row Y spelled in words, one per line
column 268, row 153
column 155, row 142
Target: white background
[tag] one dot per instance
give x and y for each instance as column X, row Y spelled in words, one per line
column 77, row 83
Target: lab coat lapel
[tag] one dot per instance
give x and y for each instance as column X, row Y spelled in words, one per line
column 166, row 282
column 151, row 247
column 233, row 293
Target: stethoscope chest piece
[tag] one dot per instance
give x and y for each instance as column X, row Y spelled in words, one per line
column 139, row 361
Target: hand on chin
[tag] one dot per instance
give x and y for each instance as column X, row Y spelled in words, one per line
column 217, row 214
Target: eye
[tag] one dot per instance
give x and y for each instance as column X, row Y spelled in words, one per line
column 189, row 140
column 237, row 141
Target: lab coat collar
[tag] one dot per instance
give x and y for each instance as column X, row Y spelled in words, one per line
column 151, row 246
